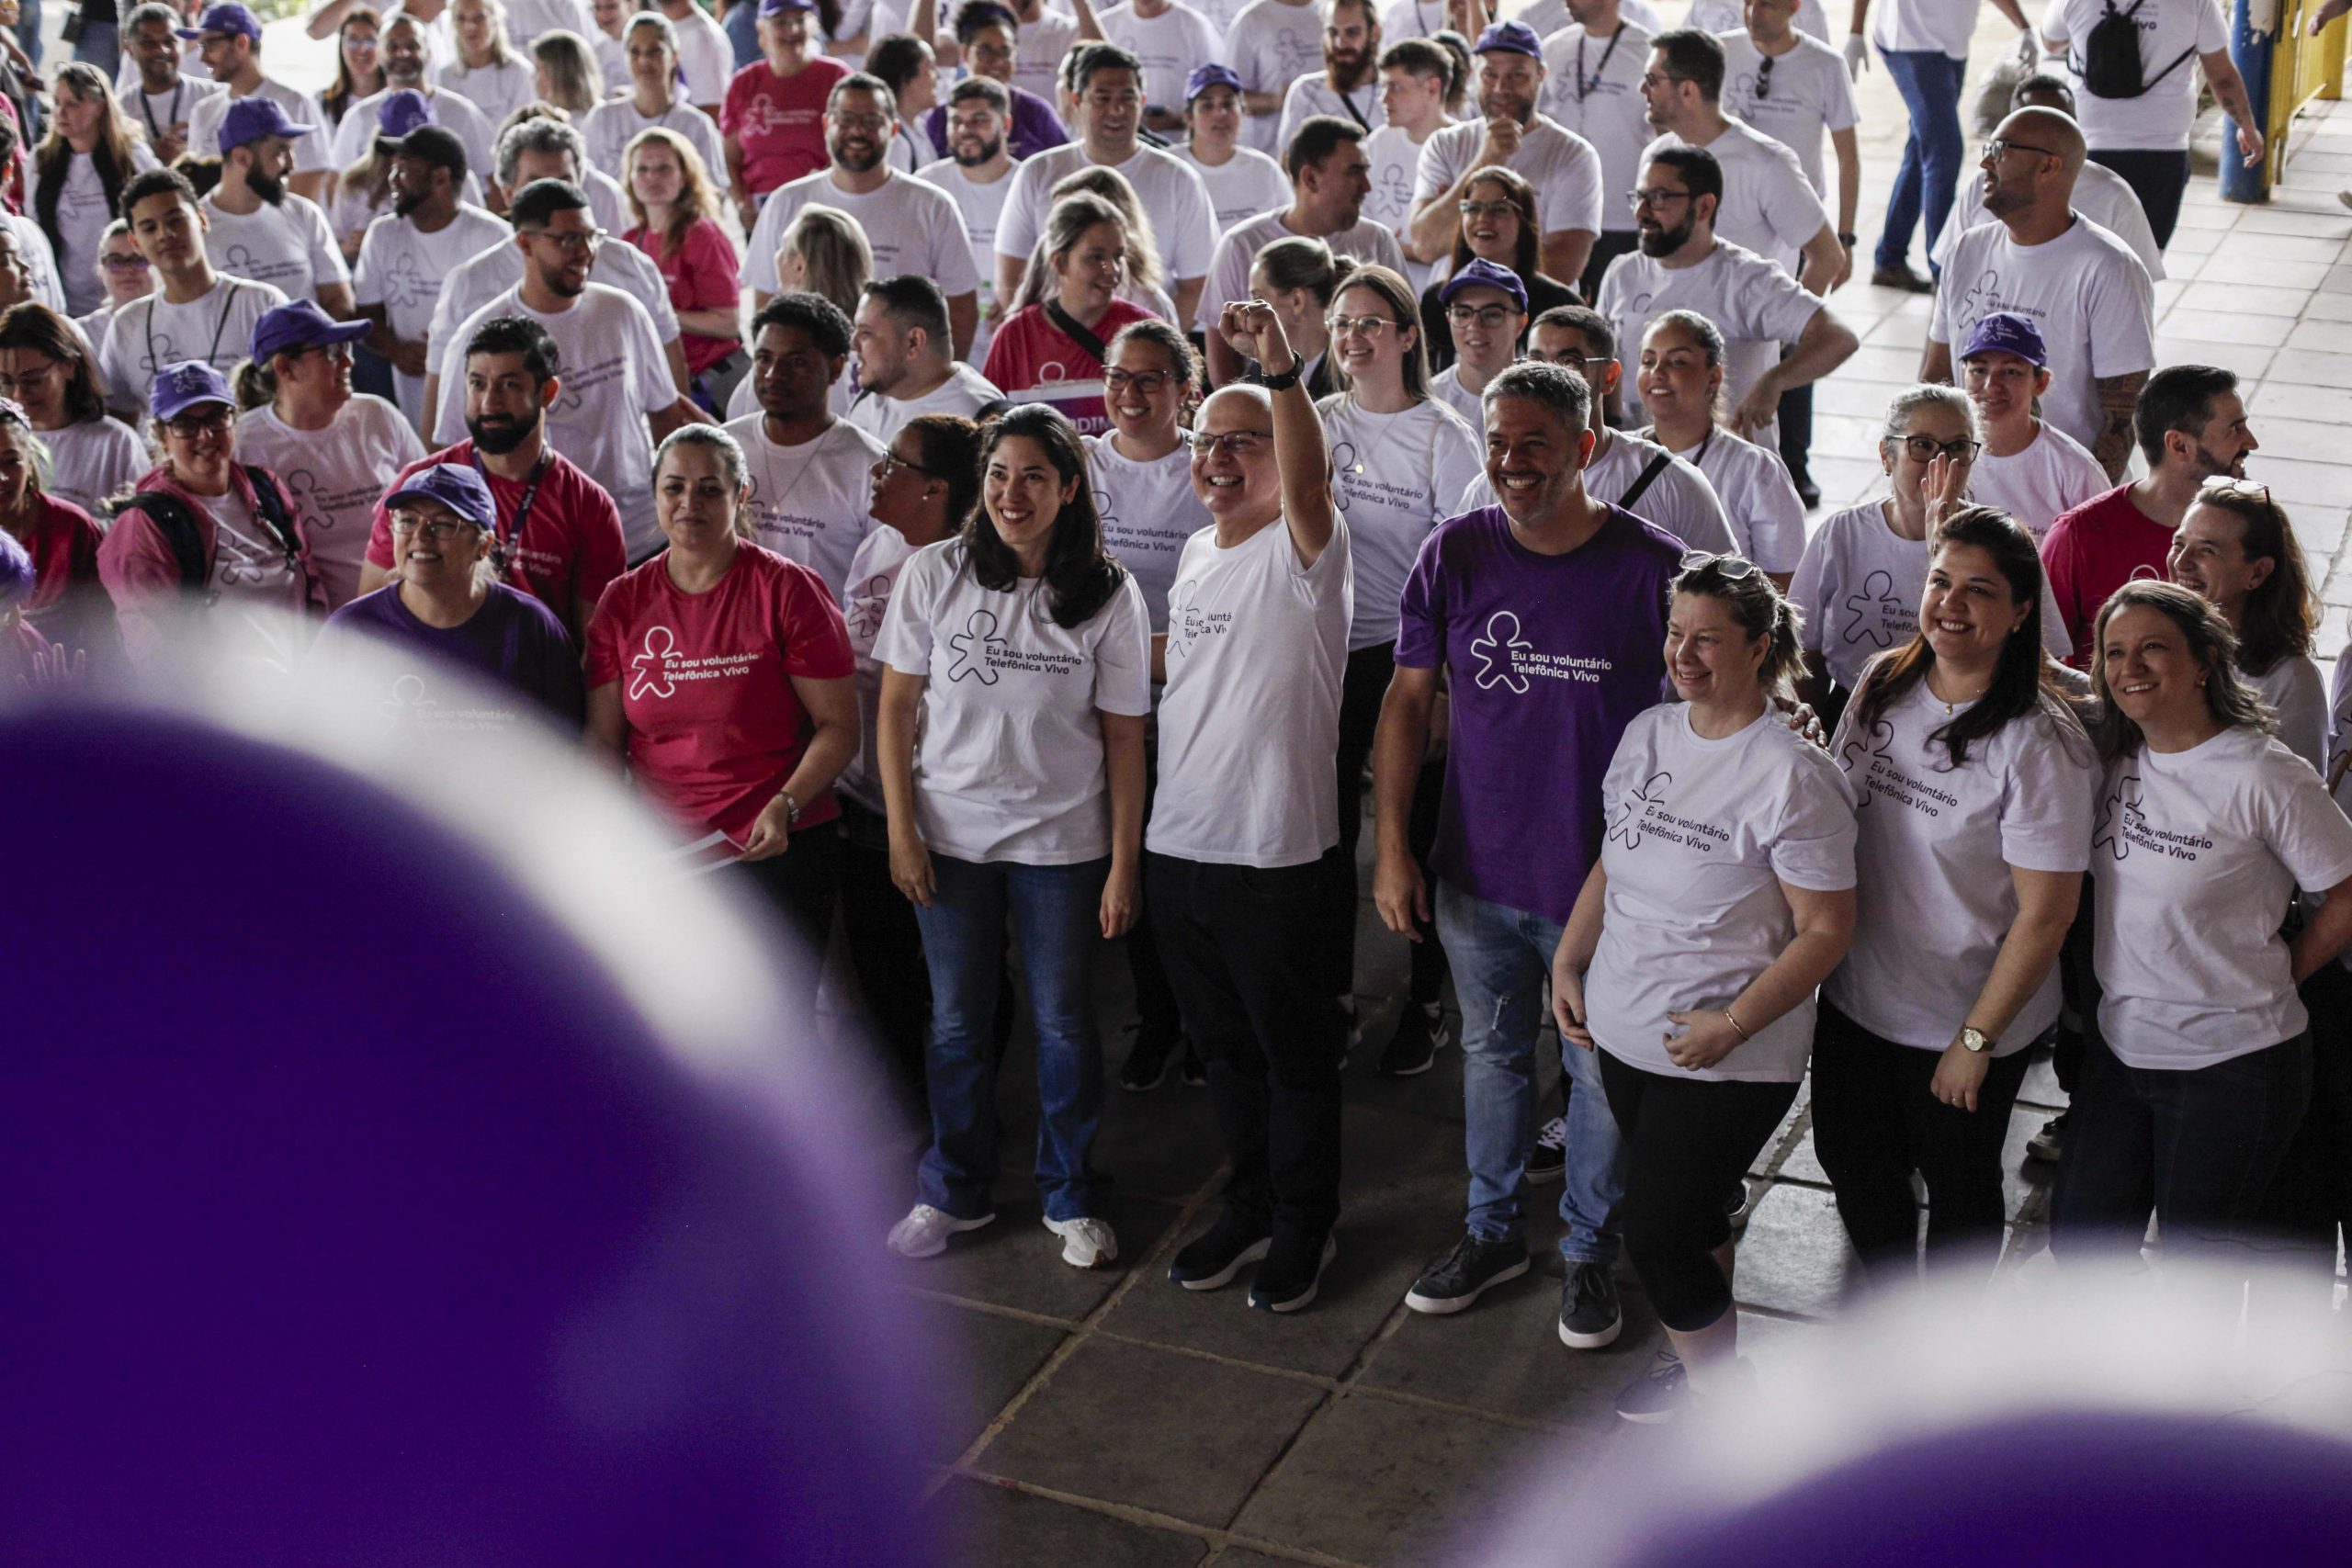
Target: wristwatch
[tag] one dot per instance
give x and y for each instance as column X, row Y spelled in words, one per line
column 1849, row 241
column 1286, row 381
column 1975, row 1040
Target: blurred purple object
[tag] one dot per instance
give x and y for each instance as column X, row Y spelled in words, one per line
column 356, row 1216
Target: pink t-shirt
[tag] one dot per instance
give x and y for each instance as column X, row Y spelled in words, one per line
column 714, row 727
column 701, row 272
column 1036, row 362
column 777, row 121
column 2095, row 549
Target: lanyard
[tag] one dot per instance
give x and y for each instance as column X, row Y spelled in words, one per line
column 530, row 494
column 171, row 116
column 1584, row 84
column 218, row 327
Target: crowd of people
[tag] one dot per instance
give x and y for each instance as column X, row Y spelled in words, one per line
column 1162, row 440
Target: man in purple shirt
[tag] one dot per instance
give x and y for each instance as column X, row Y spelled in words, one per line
column 1545, row 615
column 990, row 39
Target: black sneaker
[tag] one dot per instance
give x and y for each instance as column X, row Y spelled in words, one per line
column 1904, row 277
column 1354, row 1037
column 1148, row 1063
column 1195, row 1073
column 1420, row 1035
column 1548, row 1160
column 2051, row 1141
column 1658, row 1395
column 1286, row 1281
column 1589, row 1315
column 1807, row 491
column 1467, row 1272
column 1214, row 1257
column 1738, row 1207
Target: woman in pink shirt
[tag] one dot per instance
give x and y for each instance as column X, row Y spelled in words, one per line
column 670, row 197
column 773, row 118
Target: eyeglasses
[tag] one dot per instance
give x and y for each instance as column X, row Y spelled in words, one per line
column 1484, row 315
column 1653, row 80
column 2000, row 146
column 1729, row 567
column 860, row 121
column 1147, row 383
column 1485, row 209
column 1764, row 80
column 436, row 531
column 10, row 385
column 575, row 240
column 1368, row 326
column 890, row 460
column 1655, row 197
column 1233, row 443
column 1927, row 448
column 215, row 418
column 131, row 262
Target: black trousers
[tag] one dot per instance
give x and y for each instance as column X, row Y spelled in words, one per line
column 884, row 949
column 800, row 885
column 1688, row 1141
column 1158, row 1026
column 1244, row 945
column 2312, row 1194
column 1796, row 429
column 1361, row 691
column 1874, row 1122
column 2158, row 176
column 2078, row 984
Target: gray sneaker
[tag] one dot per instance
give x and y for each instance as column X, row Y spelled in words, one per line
column 1589, row 1315
column 1468, row 1272
column 1658, row 1395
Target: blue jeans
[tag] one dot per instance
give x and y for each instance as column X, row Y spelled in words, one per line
column 743, row 25
column 1930, row 81
column 1502, row 959
column 28, row 30
column 1055, row 925
column 100, row 45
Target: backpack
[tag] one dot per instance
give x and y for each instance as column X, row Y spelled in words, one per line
column 177, row 524
column 2111, row 66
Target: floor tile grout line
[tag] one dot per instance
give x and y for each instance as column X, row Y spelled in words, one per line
column 1219, row 1538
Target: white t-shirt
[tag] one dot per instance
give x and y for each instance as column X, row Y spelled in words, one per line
column 1937, row 845
column 1446, row 388
column 475, row 281
column 1808, row 94
column 2298, row 697
column 1229, row 269
column 1700, row 836
column 216, row 327
column 866, row 599
column 705, row 57
column 1593, row 89
column 1270, row 45
column 1044, row 44
column 205, row 113
column 1770, row 206
column 333, row 479
column 1859, row 586
column 1257, row 647
column 1166, row 185
column 914, row 229
column 40, row 262
column 962, row 393
column 1726, row 17
column 611, row 127
column 2160, row 117
column 289, row 244
column 2100, row 194
column 611, row 60
column 1917, row 25
column 157, row 114
column 1010, row 764
column 83, row 215
column 1560, row 164
column 981, row 205
column 405, row 270
column 1171, row 46
column 527, row 20
column 1395, row 159
column 496, row 90
column 1395, row 477
column 92, row 460
column 614, row 374
column 808, row 501
column 2084, row 289
column 1249, row 183
column 1754, row 302
column 2197, row 853
column 1313, row 94
column 1680, row 500
column 1148, row 510
column 2055, row 474
column 451, row 112
column 1766, row 514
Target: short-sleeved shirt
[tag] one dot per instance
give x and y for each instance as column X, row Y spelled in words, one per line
column 1257, row 649
column 1938, row 842
column 1036, row 362
column 498, row 89
column 1368, row 242
column 1759, row 501
column 2197, row 853
column 333, row 478
column 2100, row 194
column 2160, row 117
column 403, row 270
column 701, row 270
column 1166, row 184
column 1313, row 94
column 1549, row 657
column 1593, row 89
column 484, row 276
column 82, row 214
column 216, row 327
column 913, row 228
column 808, row 501
column 714, row 727
column 1395, row 158
column 1171, row 46
column 611, row 127
column 1011, row 765
column 777, row 121
column 1809, row 92
column 1148, row 510
column 1726, row 16
column 2085, row 290
column 514, row 640
column 963, row 393
column 1249, row 183
column 873, row 578
column 205, row 115
column 1918, row 27
column 1770, row 206
column 2054, row 474
column 1395, row 477
column 1560, row 164
column 1271, row 44
column 2296, row 696
column 93, row 461
column 2095, row 549
column 1702, row 835
column 1754, row 302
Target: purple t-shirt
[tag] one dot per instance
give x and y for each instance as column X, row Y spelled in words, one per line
column 513, row 639
column 1551, row 657
column 1036, row 126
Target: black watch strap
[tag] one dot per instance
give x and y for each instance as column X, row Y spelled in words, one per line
column 1287, row 379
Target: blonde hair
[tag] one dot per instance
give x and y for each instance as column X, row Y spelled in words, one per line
column 698, row 198
column 835, row 259
column 574, row 80
column 1143, row 245
column 499, row 54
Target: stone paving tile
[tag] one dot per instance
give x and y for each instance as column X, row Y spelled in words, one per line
column 1178, row 1435
column 1418, row 1483
column 994, row 1356
column 1794, row 1256
column 1017, row 1262
column 987, row 1526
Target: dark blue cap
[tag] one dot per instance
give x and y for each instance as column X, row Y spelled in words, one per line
column 1510, row 38
column 455, row 486
column 1481, row 274
column 2004, row 331
column 1203, row 77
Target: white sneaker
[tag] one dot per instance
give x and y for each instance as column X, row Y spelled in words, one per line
column 1087, row 1242
column 924, row 1232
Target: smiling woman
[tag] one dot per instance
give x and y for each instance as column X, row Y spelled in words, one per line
column 1051, row 352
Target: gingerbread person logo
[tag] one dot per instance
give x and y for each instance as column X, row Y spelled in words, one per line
column 649, row 670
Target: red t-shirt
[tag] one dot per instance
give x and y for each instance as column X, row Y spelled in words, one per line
column 714, row 727
column 778, row 121
column 570, row 546
column 69, row 602
column 1033, row 361
column 701, row 273
column 2095, row 549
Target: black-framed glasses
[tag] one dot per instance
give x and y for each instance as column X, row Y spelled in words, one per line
column 1147, row 383
column 438, row 530
column 576, row 239
column 1764, row 80
column 1729, row 567
column 2000, row 146
column 1927, row 449
column 1487, row 316
column 215, row 417
column 1233, row 443
column 890, row 460
column 1654, row 196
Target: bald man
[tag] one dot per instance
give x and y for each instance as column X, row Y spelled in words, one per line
column 2080, row 285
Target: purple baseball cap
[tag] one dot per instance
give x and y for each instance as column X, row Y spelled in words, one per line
column 1203, row 77
column 455, row 486
column 403, row 112
column 778, row 7
column 2004, row 331
column 1510, row 38
column 1480, row 273
column 228, row 18
column 183, row 386
column 253, row 117
column 301, row 324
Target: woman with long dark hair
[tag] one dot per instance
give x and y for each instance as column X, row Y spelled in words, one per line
column 1973, row 784
column 45, row 365
column 2236, row 547
column 1021, row 650
column 89, row 156
column 1499, row 224
column 358, row 70
column 2198, row 1074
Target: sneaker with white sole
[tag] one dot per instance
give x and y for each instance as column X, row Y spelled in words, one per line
column 1420, row 1035
column 924, row 1232
column 1292, row 1272
column 2051, row 1141
column 1475, row 1266
column 1659, row 1394
column 1740, row 1206
column 1087, row 1242
column 1548, row 1160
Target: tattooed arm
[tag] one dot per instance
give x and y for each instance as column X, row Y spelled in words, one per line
column 2118, row 396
